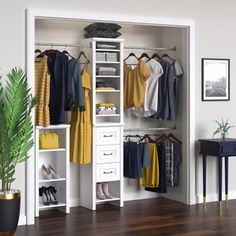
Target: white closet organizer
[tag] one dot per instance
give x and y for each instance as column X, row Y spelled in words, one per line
column 107, row 164
column 108, row 128
column 59, row 160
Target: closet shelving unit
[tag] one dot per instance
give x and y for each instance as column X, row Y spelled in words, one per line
column 59, row 160
column 107, row 161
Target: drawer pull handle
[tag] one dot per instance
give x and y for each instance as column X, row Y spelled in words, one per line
column 107, row 136
column 107, row 172
column 107, row 154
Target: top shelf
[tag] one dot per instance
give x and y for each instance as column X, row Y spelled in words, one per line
column 62, row 126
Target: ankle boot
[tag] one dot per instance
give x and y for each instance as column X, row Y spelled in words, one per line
column 105, row 191
column 100, row 194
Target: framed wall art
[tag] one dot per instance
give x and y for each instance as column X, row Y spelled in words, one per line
column 215, row 79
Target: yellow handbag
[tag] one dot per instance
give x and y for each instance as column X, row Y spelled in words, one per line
column 48, row 140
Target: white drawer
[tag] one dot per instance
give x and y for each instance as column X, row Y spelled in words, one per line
column 108, row 154
column 108, row 172
column 108, row 135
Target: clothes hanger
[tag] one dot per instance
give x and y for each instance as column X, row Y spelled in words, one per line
column 131, row 55
column 171, row 136
column 66, row 52
column 162, row 138
column 148, row 137
column 83, row 54
column 144, row 54
column 155, row 55
column 166, row 55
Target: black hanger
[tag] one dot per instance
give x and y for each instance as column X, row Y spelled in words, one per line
column 144, row 54
column 131, row 55
column 83, row 54
column 171, row 136
column 156, row 55
column 66, row 52
column 166, row 55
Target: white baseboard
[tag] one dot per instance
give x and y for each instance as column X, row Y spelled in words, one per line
column 132, row 197
column 213, row 197
column 22, row 220
column 74, row 202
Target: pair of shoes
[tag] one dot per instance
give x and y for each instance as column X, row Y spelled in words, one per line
column 49, row 173
column 102, row 191
column 48, row 195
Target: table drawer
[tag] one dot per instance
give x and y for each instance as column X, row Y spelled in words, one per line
column 108, row 172
column 108, row 135
column 108, row 154
column 228, row 149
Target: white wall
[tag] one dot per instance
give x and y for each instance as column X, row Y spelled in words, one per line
column 215, row 37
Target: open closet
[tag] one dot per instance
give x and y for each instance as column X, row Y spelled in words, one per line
column 140, row 40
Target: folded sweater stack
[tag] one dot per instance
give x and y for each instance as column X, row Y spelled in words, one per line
column 105, row 108
column 103, row 70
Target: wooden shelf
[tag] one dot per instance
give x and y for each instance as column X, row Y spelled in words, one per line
column 52, row 150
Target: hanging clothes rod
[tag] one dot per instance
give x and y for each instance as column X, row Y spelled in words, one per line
column 149, row 129
column 151, row 49
column 89, row 46
column 38, row 44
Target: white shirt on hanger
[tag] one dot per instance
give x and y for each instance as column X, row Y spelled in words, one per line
column 151, row 92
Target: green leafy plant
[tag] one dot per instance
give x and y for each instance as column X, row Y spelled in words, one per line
column 223, row 127
column 16, row 128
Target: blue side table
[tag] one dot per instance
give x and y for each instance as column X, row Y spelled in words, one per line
column 219, row 148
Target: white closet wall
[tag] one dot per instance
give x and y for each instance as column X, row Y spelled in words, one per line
column 53, row 31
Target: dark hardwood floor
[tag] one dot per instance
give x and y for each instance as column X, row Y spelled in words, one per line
column 146, row 217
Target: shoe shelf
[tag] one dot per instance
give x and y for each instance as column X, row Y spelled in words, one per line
column 51, row 180
column 60, row 204
column 108, row 200
column 53, row 169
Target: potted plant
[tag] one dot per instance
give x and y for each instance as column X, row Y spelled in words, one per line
column 223, row 128
column 16, row 130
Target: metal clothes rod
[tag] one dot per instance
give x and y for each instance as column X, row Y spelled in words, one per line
column 151, row 49
column 149, row 129
column 88, row 46
column 61, row 45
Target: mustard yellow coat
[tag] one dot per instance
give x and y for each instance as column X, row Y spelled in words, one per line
column 81, row 126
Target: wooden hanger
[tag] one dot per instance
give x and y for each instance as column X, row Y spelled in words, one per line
column 83, row 54
column 131, row 55
column 166, row 55
column 132, row 136
column 37, row 50
column 144, row 54
column 155, row 55
column 148, row 138
column 171, row 136
column 162, row 138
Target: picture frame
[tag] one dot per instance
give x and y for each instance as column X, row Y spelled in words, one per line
column 215, row 79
